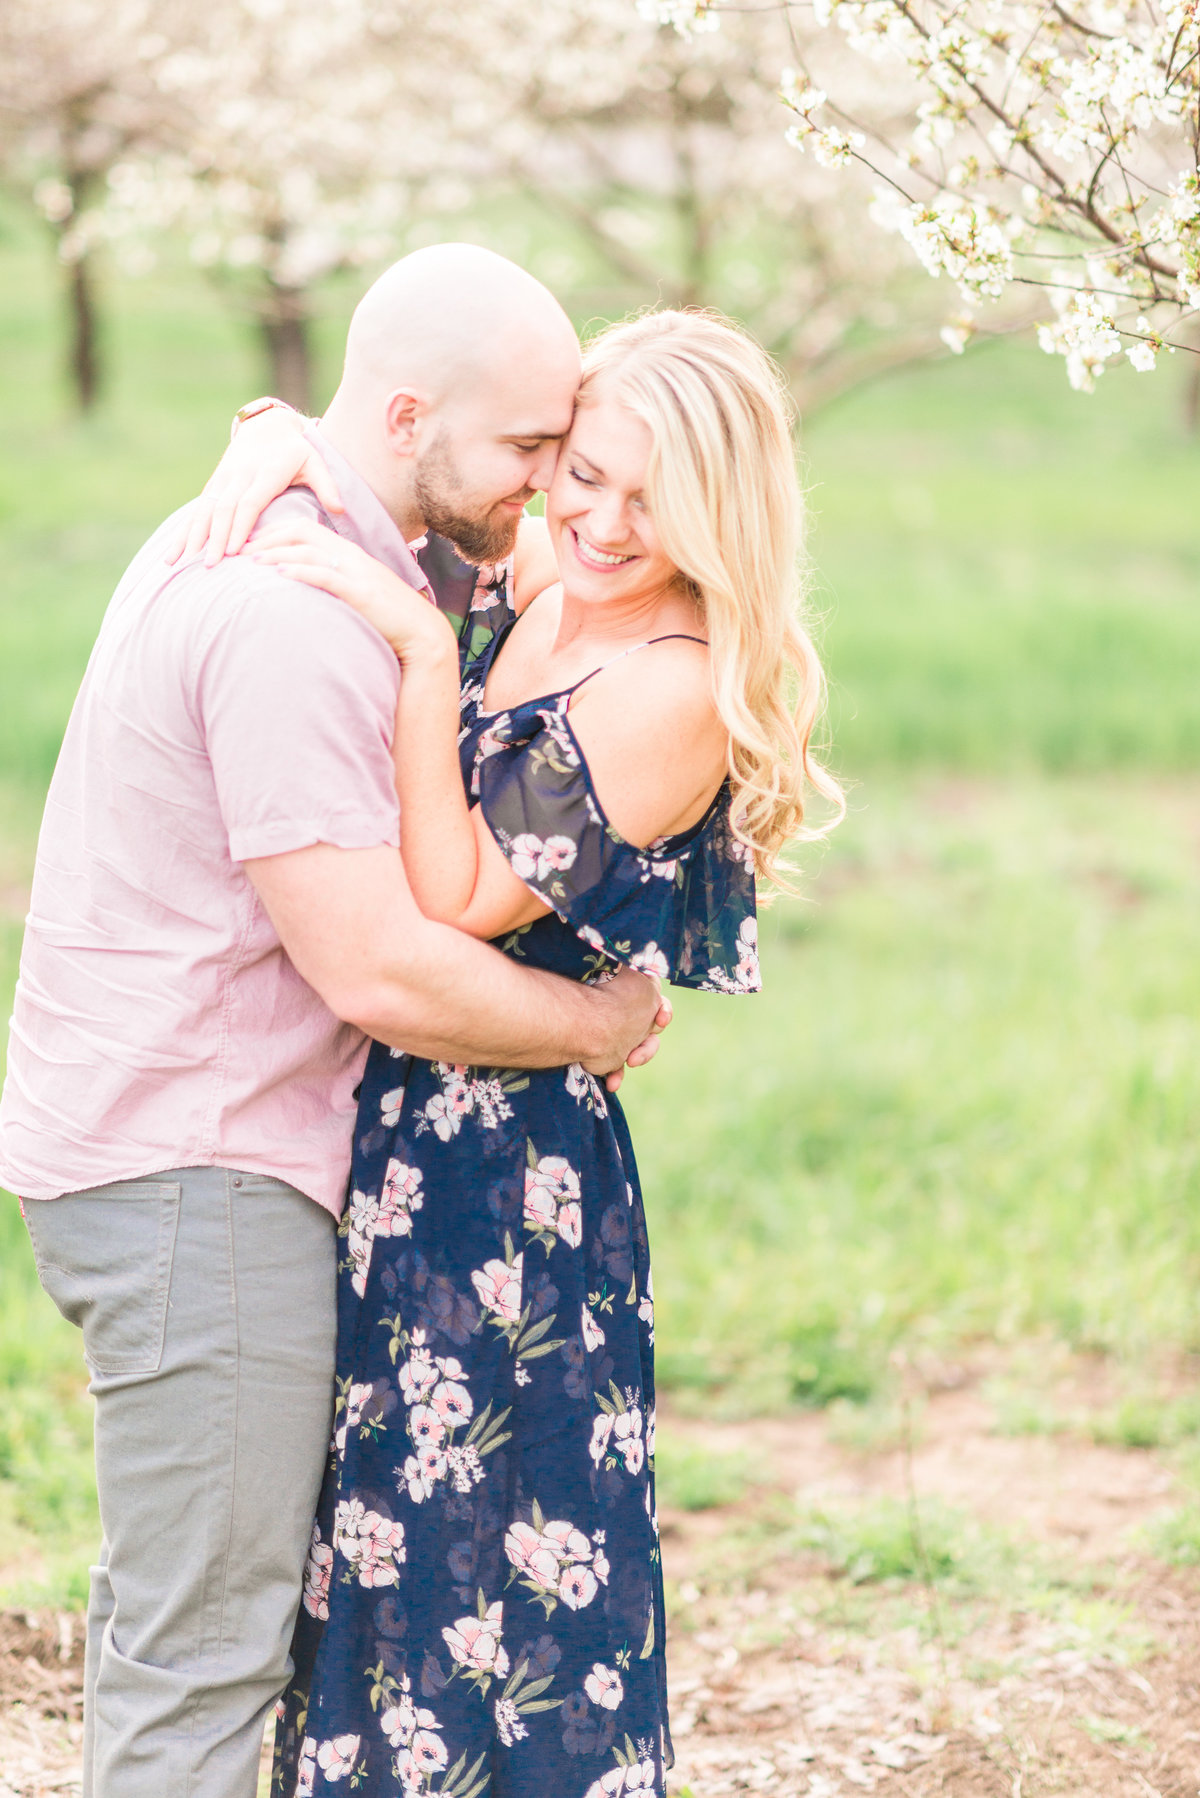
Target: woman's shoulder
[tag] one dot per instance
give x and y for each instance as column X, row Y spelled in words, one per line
column 654, row 742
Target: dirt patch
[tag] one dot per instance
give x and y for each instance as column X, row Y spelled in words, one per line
column 41, row 1708
column 1055, row 1655
column 1067, row 1662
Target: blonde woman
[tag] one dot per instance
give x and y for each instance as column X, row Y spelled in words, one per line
column 627, row 750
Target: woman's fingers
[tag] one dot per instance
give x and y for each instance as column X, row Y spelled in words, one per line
column 219, row 527
column 315, row 474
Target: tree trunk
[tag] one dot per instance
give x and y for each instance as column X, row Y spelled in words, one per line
column 84, row 369
column 285, row 327
column 84, row 359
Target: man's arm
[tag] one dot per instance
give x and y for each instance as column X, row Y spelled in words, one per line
column 350, row 925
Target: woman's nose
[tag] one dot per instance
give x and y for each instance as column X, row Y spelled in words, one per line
column 608, row 521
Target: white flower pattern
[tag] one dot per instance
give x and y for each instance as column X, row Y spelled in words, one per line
column 495, row 1286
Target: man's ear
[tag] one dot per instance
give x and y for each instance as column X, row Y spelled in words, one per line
column 406, row 421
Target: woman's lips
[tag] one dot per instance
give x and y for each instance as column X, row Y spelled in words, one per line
column 594, row 558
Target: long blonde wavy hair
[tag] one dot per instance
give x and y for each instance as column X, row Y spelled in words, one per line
column 722, row 493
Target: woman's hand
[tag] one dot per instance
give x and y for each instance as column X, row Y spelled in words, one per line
column 413, row 626
column 268, row 455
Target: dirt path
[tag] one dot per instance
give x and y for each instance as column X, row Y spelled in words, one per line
column 943, row 1609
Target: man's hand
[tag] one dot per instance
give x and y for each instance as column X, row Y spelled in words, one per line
column 640, row 1012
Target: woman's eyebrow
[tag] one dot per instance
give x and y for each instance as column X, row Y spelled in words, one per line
column 594, row 466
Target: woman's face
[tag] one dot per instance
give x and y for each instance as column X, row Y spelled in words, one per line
column 603, row 536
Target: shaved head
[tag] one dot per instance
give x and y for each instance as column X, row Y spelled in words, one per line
column 459, row 383
column 447, row 315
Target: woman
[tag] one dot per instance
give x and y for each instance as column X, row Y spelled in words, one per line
column 483, row 1604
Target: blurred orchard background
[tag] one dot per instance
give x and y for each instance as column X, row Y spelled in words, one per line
column 953, row 1148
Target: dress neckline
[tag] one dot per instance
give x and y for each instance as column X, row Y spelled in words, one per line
column 541, row 699
column 664, row 848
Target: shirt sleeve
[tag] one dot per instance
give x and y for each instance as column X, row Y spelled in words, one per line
column 297, row 704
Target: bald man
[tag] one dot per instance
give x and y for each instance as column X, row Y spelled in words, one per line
column 219, row 922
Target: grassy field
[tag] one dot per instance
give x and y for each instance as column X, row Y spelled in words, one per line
column 965, row 1107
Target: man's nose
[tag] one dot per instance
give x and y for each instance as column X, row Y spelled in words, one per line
column 544, row 465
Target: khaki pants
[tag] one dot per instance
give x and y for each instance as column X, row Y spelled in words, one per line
column 207, row 1304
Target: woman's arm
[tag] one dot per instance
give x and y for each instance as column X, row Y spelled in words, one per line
column 267, row 454
column 651, row 735
column 457, row 873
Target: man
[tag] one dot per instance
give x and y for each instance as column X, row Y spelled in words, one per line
column 219, row 921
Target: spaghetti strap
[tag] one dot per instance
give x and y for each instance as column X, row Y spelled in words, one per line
column 670, row 637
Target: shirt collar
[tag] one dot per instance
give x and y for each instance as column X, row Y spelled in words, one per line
column 365, row 520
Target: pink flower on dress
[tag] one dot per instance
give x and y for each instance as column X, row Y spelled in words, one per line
column 428, row 1752
column 570, row 1223
column 601, row 1431
column 337, row 1758
column 593, row 1335
column 380, row 1547
column 530, row 1554
column 390, row 1107
column 425, row 1427
column 306, row 1771
column 498, row 1285
column 640, row 1777
column 475, row 1641
column 568, row 1540
column 608, row 1784
column 541, row 1207
column 417, row 1378
column 577, row 1587
column 316, row 1576
column 603, row 1686
column 524, row 853
column 452, row 1403
column 650, row 960
column 400, row 1197
column 558, row 853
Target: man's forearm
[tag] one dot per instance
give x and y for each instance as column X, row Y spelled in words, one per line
column 347, row 920
column 453, row 999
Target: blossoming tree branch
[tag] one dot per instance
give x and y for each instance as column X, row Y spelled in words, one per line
column 1056, row 144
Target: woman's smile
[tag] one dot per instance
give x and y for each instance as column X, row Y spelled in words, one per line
column 591, row 555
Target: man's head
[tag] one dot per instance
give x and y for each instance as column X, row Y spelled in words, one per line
column 458, row 387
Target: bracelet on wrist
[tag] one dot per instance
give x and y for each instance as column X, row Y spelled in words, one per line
column 253, row 408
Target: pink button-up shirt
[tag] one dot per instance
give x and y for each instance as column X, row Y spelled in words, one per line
column 225, row 714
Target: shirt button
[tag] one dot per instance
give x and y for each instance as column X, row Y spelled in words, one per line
column 237, row 1180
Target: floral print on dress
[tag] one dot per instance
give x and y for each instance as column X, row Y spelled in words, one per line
column 482, row 1609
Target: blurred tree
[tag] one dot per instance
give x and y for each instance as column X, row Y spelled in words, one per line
column 300, row 130
column 1053, row 146
column 669, row 158
column 79, row 92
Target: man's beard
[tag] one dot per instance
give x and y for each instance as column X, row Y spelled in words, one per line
column 439, row 492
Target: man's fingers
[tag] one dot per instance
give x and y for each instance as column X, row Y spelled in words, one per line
column 613, row 1081
column 645, row 1051
column 664, row 1014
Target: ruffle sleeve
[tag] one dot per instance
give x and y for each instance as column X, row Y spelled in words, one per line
column 682, row 909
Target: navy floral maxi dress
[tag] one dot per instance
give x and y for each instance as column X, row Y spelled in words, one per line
column 482, row 1611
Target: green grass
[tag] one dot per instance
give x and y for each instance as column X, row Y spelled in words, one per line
column 966, row 1104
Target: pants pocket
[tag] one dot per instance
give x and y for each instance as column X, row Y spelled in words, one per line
column 105, row 1259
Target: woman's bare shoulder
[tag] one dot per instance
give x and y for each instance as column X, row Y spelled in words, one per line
column 654, row 741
